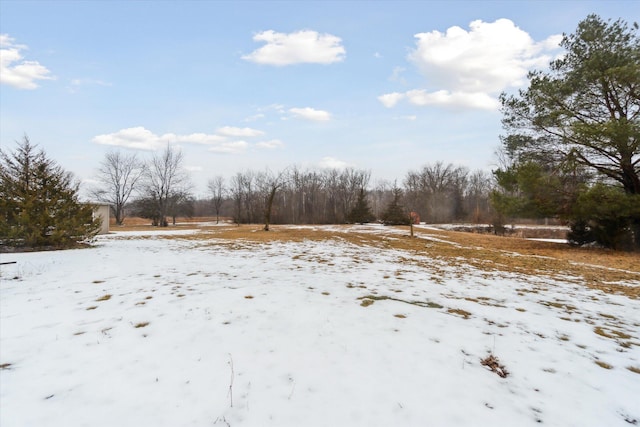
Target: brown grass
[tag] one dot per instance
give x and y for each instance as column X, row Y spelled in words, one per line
column 604, row 365
column 612, row 333
column 600, row 269
column 494, row 365
column 463, row 313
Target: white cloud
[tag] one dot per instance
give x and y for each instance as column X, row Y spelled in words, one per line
column 193, row 138
column 137, row 138
column 310, row 114
column 294, row 48
column 255, row 117
column 396, row 75
column 467, row 69
column 270, row 145
column 142, row 139
column 194, row 168
column 390, row 99
column 488, row 58
column 333, row 163
column 76, row 84
column 231, row 147
column 86, row 82
column 14, row 70
column 234, row 131
column 444, row 98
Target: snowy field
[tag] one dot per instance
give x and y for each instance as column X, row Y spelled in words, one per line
column 149, row 331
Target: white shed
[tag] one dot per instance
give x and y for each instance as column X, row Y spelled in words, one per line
column 101, row 211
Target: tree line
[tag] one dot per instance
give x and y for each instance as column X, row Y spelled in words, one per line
column 160, row 189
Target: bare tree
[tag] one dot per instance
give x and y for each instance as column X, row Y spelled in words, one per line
column 350, row 183
column 437, row 190
column 268, row 185
column 165, row 178
column 119, row 176
column 218, row 192
column 477, row 196
column 237, row 195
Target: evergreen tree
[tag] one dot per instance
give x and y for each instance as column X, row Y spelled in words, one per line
column 361, row 212
column 605, row 214
column 581, row 117
column 39, row 202
column 395, row 213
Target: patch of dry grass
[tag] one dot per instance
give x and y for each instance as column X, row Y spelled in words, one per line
column 605, row 270
column 603, row 365
column 494, row 365
column 612, row 333
column 459, row 312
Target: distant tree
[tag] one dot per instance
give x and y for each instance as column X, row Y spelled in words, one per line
column 145, row 207
column 246, row 197
column 436, row 191
column 268, row 185
column 39, row 203
column 381, row 196
column 165, row 179
column 395, row 214
column 218, row 192
column 236, row 192
column 119, row 176
column 584, row 113
column 351, row 183
column 181, row 203
column 477, row 196
column 361, row 212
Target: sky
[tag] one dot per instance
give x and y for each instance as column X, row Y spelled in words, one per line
column 384, row 86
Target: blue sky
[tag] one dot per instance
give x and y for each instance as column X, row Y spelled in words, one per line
column 376, row 85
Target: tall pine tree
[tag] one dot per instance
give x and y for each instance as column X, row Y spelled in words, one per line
column 361, row 212
column 39, row 203
column 395, row 214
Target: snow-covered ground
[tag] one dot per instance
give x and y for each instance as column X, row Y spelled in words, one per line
column 147, row 331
